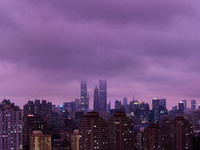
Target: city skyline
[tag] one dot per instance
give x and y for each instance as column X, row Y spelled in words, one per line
column 144, row 49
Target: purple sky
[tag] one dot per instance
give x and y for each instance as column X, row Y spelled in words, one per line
column 145, row 48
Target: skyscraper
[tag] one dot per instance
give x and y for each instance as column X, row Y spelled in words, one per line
column 155, row 106
column 163, row 103
column 193, row 105
column 84, row 98
column 96, row 99
column 125, row 101
column 102, row 95
column 181, row 107
column 117, row 104
column 10, row 126
column 185, row 105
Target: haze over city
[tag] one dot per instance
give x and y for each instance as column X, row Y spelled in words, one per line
column 142, row 48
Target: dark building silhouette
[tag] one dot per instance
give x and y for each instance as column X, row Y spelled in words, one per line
column 125, row 101
column 78, row 116
column 29, row 108
column 121, row 132
column 181, row 108
column 155, row 108
column 193, row 105
column 84, row 97
column 96, row 99
column 117, row 104
column 102, row 95
column 33, row 122
column 167, row 135
column 93, row 132
column 185, row 105
column 183, row 134
column 163, row 103
column 152, row 137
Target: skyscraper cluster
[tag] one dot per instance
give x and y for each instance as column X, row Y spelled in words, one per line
column 131, row 124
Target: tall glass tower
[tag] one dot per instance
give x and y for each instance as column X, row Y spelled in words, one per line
column 84, row 98
column 96, row 99
column 102, row 95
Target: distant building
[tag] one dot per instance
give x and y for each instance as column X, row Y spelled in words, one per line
column 155, row 108
column 117, row 104
column 185, row 105
column 84, row 97
column 174, row 108
column 163, row 103
column 125, row 103
column 77, row 101
column 193, row 105
column 96, row 99
column 102, row 95
column 181, row 107
column 40, row 141
column 10, row 126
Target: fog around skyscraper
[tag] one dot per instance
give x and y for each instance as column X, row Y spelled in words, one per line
column 143, row 48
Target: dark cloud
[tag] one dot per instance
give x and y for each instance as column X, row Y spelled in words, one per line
column 143, row 48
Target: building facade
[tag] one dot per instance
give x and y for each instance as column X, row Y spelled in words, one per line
column 10, row 126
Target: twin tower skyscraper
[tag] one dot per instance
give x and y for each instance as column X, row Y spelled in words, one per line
column 100, row 96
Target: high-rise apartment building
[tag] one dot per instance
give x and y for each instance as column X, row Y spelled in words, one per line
column 32, row 122
column 183, row 134
column 102, row 95
column 84, row 97
column 29, row 109
column 75, row 140
column 39, row 141
column 152, row 137
column 167, row 135
column 10, row 126
column 193, row 105
column 96, row 99
column 121, row 132
column 93, row 132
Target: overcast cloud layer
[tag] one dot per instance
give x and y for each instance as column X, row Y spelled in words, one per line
column 145, row 48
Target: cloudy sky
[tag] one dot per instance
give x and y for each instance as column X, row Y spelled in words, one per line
column 145, row 48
